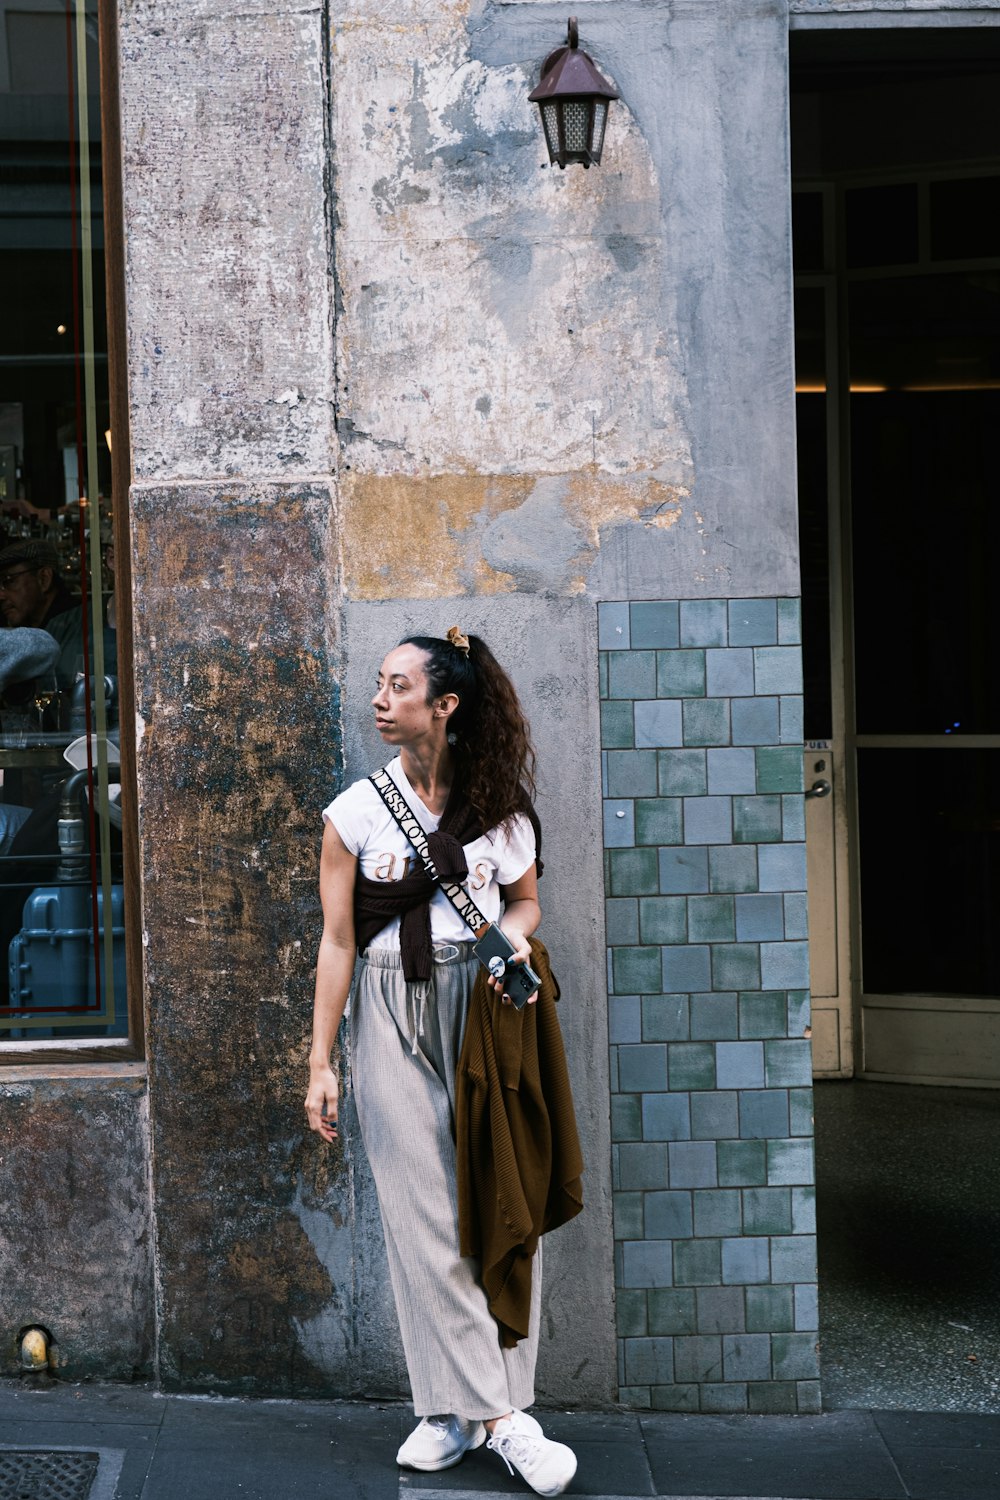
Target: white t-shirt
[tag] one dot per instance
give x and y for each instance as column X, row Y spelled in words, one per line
column 369, row 831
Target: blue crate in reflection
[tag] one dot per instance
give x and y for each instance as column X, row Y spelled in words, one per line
column 51, row 960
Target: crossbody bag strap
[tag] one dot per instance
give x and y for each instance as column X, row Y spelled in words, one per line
column 406, row 819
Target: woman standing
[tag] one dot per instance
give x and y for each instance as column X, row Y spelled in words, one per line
column 464, row 766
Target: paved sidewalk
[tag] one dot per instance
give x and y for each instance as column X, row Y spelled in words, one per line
column 155, row 1447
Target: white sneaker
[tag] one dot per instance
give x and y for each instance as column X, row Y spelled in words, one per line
column 440, row 1442
column 547, row 1466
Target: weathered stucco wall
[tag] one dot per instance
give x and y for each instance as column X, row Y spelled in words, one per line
column 388, row 368
column 76, row 1245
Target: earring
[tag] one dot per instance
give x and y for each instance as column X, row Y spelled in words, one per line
column 452, row 737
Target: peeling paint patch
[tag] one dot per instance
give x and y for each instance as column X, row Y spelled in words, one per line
column 462, row 534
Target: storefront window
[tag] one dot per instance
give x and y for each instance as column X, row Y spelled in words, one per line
column 61, row 881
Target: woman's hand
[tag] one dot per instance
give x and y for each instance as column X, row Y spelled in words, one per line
column 322, row 1102
column 521, row 954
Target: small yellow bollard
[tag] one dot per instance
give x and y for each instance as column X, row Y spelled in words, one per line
column 34, row 1350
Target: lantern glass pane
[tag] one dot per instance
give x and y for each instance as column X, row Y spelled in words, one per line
column 550, row 119
column 600, row 123
column 576, row 124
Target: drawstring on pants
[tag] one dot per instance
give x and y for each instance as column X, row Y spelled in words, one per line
column 417, row 993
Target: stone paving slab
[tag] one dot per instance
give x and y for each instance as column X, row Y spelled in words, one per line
column 175, row 1447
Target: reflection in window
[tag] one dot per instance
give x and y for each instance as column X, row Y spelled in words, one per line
column 61, row 887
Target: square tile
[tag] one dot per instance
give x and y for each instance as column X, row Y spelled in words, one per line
column 672, row 1311
column 680, row 674
column 796, row 915
column 692, row 1065
column 720, row 1309
column 799, row 1012
column 714, row 1017
column 764, row 1116
column 648, row 1360
column 732, row 869
column 685, row 969
column 741, row 1163
column 793, row 1258
column 682, row 773
column 658, row 820
column 756, row 820
column 790, row 1162
column 708, row 820
column 624, row 1019
column 704, row 622
column 602, row 674
column 762, row 1014
column 633, row 872
column 767, row 1210
column 779, row 1398
column 613, row 627
column 647, row 1263
column 665, row 1018
column 803, row 1210
column 790, row 720
column 755, row 721
column 706, row 720
column 793, row 818
column 732, row 771
column 642, row 1164
column 636, row 971
column 760, row 917
column 619, row 823
column 627, row 1212
column 621, row 920
column 769, row 1309
column 784, row 966
column 663, row 919
column 673, row 1397
column 714, row 1115
column 632, row 674
column 657, row 722
column 746, row 1356
column 643, row 1068
column 617, row 724
column 735, row 966
column 698, row 1359
column 782, row 867
column 655, row 624
column 778, row 669
column 729, row 673
column 800, row 1112
column 697, row 1263
column 711, row 919
column 789, row 623
column 717, row 1211
column 787, row 1064
column 626, row 1117
column 631, row 773
column 779, row 769
column 795, row 1356
column 739, row 1065
column 745, row 1261
column 729, row 1396
column 692, row 1164
column 754, row 622
column 666, row 1117
column 668, row 1216
column 630, row 1313
column 806, row 1309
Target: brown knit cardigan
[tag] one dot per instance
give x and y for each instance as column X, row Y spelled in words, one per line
column 518, row 1153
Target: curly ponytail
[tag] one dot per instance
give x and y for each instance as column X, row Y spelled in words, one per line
column 493, row 749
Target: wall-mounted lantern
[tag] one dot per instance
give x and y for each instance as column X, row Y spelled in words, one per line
column 573, row 99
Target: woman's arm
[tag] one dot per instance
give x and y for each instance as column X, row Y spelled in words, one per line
column 334, row 971
column 521, row 916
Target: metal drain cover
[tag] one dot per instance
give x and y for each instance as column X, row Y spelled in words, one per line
column 32, row 1474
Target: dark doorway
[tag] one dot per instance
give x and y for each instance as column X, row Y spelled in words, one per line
column 896, row 191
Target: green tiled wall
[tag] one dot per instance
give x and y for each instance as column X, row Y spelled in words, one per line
column 711, row 1071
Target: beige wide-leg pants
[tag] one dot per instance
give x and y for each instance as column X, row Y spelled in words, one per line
column 405, row 1044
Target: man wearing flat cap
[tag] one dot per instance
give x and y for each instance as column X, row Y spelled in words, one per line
column 33, row 593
